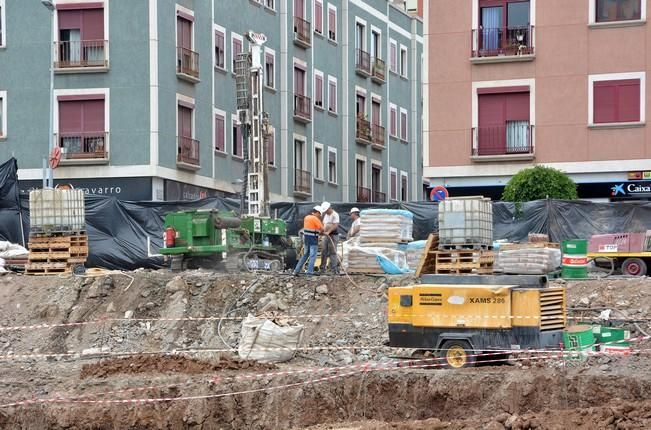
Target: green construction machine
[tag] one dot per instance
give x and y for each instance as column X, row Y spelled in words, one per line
column 219, row 239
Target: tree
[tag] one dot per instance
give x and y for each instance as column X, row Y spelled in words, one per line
column 537, row 183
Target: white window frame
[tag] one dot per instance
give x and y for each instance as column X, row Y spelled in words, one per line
column 324, row 84
column 107, row 51
column 333, row 79
column 235, row 36
column 403, row 64
column 394, row 170
column 303, row 139
column 333, row 151
column 393, row 42
column 377, row 31
column 394, row 107
column 221, row 113
column 405, row 175
column 236, row 118
column 270, row 4
column 323, row 12
column 3, row 115
column 273, row 54
column 334, row 8
column 222, row 30
column 315, row 163
column 406, row 138
column 616, row 77
column 3, row 24
column 592, row 17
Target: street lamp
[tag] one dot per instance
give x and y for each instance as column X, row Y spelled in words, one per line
column 48, row 174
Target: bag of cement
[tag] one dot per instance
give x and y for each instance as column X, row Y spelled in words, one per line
column 386, row 225
column 528, row 261
column 413, row 252
column 12, row 250
column 264, row 341
column 362, row 258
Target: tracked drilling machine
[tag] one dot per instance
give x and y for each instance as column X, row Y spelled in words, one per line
column 220, row 239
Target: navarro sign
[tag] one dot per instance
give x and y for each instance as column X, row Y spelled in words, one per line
column 631, row 189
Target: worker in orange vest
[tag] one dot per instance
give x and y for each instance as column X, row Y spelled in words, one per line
column 312, row 228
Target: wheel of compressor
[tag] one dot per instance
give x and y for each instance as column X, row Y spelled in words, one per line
column 457, row 354
column 634, row 267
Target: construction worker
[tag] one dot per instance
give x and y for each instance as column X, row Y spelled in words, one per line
column 357, row 222
column 330, row 238
column 312, row 228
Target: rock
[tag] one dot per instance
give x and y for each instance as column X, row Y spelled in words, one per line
column 145, row 293
column 176, row 284
column 584, row 301
column 510, row 421
column 128, row 314
column 93, row 291
column 357, row 324
column 322, row 289
column 289, row 285
column 493, row 425
column 345, row 356
column 604, row 368
column 150, row 305
column 110, row 308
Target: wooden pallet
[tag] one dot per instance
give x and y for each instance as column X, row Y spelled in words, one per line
column 529, row 245
column 427, row 263
column 464, row 246
column 466, row 261
column 45, row 269
column 55, row 254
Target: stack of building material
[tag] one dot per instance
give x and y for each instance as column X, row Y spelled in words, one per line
column 538, row 258
column 12, row 256
column 362, row 258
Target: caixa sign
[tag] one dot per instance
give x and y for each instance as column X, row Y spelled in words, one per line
column 631, row 189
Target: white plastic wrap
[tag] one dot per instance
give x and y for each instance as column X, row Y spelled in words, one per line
column 361, row 258
column 386, row 225
column 528, row 261
column 264, row 341
column 12, row 250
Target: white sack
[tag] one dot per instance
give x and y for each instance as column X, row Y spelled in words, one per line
column 264, row 341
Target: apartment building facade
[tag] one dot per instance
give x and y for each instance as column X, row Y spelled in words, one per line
column 516, row 83
column 144, row 96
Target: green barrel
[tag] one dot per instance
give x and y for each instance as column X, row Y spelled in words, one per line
column 578, row 338
column 575, row 259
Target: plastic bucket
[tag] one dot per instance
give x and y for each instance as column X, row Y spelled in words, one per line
column 578, row 338
column 575, row 259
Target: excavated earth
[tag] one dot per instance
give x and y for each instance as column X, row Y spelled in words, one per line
column 137, row 362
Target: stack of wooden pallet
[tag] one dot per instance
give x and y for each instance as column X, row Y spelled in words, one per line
column 56, row 253
column 455, row 259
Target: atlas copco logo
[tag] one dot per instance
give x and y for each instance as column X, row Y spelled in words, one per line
column 617, row 190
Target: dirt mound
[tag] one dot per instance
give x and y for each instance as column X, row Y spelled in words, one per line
column 165, row 364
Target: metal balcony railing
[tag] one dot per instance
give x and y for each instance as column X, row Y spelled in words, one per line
column 363, row 195
column 302, row 32
column 377, row 135
column 188, row 151
column 379, row 70
column 514, row 139
column 83, row 145
column 363, row 131
column 80, row 53
column 187, row 62
column 363, row 62
column 379, row 197
column 511, row 41
column 302, row 181
column 302, row 107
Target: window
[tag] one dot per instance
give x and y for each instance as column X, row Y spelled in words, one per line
column 393, row 192
column 403, row 124
column 376, row 44
column 332, row 94
column 220, row 132
column 332, row 165
column 81, row 126
column 271, row 4
column 376, row 111
column 237, row 47
column 3, row 42
column 618, row 10
column 393, row 58
column 617, row 98
column 403, row 61
column 393, row 125
column 302, row 178
column 220, row 51
column 299, row 80
column 404, row 191
column 376, row 183
column 504, row 126
column 270, row 141
column 80, row 37
column 360, row 36
column 360, row 105
column 237, row 142
column 332, row 23
column 3, row 114
column 318, row 161
column 504, row 28
column 269, row 68
column 318, row 16
column 363, row 193
column 318, row 89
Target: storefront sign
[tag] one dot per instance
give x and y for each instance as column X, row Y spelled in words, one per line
column 631, row 189
column 175, row 191
column 136, row 189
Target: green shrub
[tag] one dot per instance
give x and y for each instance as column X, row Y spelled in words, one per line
column 537, row 183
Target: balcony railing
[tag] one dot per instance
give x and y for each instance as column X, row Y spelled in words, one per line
column 512, row 41
column 379, row 197
column 302, row 108
column 302, row 32
column 363, row 62
column 363, row 195
column 302, row 182
column 363, row 131
column 510, row 140
column 188, row 151
column 83, row 146
column 379, row 70
column 377, row 135
column 187, row 62
column 81, row 53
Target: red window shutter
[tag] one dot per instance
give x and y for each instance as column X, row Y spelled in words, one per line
column 376, row 110
column 332, row 23
column 403, row 125
column 69, row 19
column 299, row 8
column 183, row 32
column 70, row 116
column 333, row 97
column 318, row 96
column 185, row 121
column 517, row 106
column 394, row 121
column 492, row 110
column 628, row 101
column 318, row 17
column 92, row 21
column 299, row 81
column 93, row 116
column 616, row 101
column 219, row 133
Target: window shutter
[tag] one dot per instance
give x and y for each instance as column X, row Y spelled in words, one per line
column 70, row 116
column 69, row 19
column 394, row 185
column 318, row 17
column 628, row 101
column 394, row 120
column 394, row 57
column 605, row 102
column 219, row 133
column 93, row 115
column 403, row 125
column 517, row 106
column 318, row 96
column 332, row 24
column 333, row 96
column 92, row 21
column 183, row 33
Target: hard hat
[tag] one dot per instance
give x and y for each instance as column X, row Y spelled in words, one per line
column 325, row 206
column 318, row 209
column 354, row 210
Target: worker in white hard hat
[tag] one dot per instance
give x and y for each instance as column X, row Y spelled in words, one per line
column 312, row 228
column 357, row 223
column 330, row 238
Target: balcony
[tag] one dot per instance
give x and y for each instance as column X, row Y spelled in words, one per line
column 81, row 56
column 187, row 64
column 187, row 153
column 363, row 132
column 302, row 183
column 302, row 32
column 493, row 45
column 379, row 71
column 362, row 63
column 513, row 142
column 83, row 147
column 379, row 197
column 377, row 136
column 302, row 108
column 363, row 195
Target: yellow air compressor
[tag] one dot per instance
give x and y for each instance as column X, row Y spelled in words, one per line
column 459, row 322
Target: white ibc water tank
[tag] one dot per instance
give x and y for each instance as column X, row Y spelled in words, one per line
column 466, row 221
column 55, row 210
